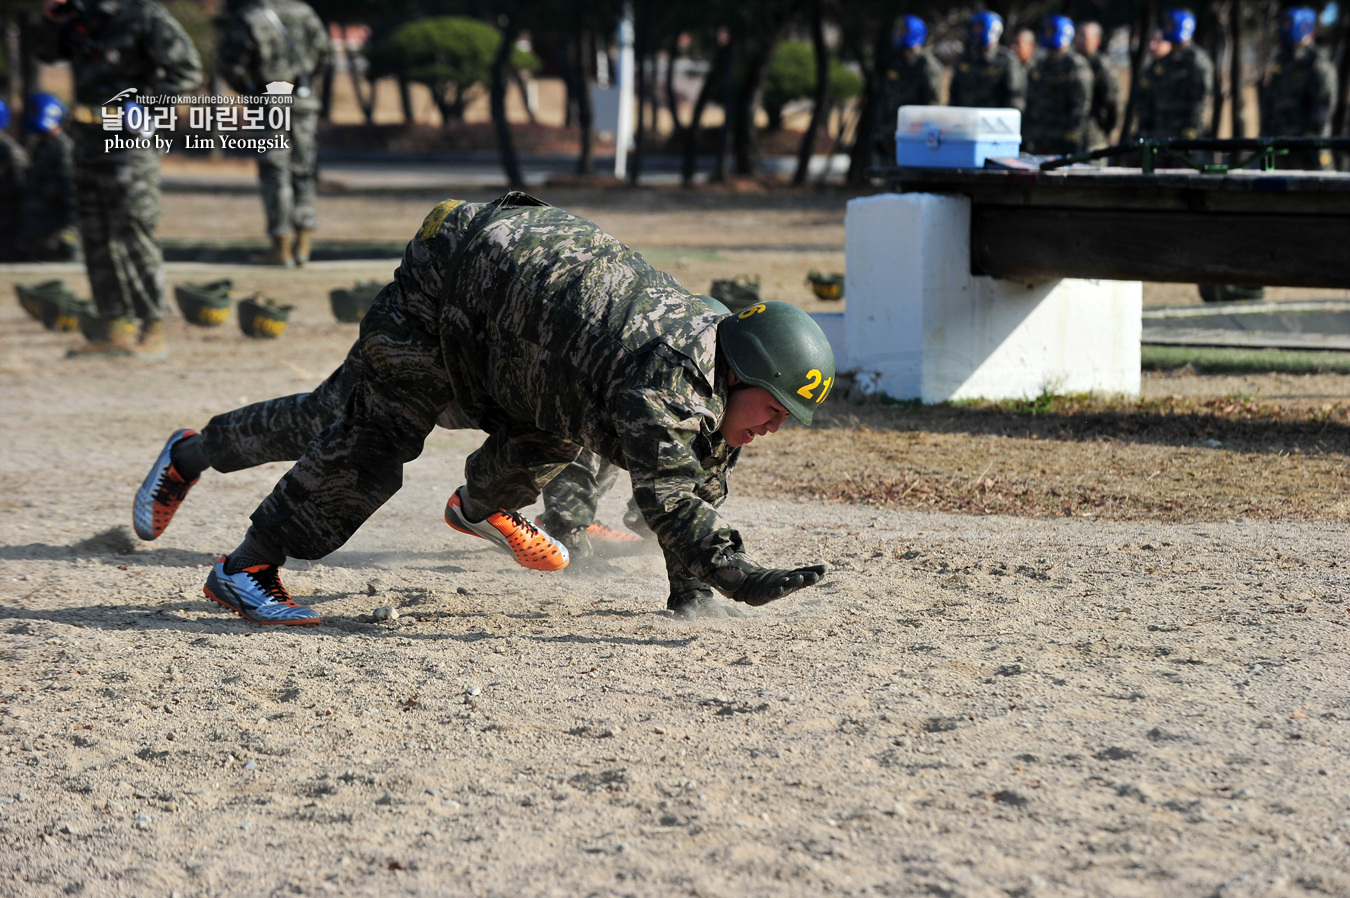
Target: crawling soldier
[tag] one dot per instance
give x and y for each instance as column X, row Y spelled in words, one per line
column 552, row 336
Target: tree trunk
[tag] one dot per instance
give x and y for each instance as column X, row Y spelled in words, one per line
column 1235, row 68
column 820, row 104
column 510, row 164
column 1142, row 29
column 585, row 117
column 639, row 92
column 673, row 101
column 746, row 134
column 1217, row 37
column 367, row 105
column 691, row 134
column 727, row 90
column 405, row 97
column 860, row 153
column 519, row 78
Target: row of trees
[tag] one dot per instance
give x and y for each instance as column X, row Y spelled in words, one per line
column 738, row 39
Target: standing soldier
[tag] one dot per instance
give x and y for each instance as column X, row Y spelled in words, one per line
column 986, row 74
column 13, row 174
column 913, row 78
column 1106, row 92
column 49, row 208
column 1177, row 88
column 117, row 48
column 1299, row 92
column 282, row 40
column 1059, row 94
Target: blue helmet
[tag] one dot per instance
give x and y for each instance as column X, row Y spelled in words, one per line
column 4, row 115
column 910, row 33
column 1056, row 32
column 1296, row 24
column 985, row 28
column 45, row 113
column 1178, row 25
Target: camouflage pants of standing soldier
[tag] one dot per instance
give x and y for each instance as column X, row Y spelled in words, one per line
column 118, row 201
column 289, row 177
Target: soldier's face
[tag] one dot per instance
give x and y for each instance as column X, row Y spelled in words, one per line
column 751, row 412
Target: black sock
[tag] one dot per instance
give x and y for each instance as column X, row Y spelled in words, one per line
column 189, row 457
column 472, row 510
column 252, row 551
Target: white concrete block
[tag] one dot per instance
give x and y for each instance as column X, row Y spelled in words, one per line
column 935, row 332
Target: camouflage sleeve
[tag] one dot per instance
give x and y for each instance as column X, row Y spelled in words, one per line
column 1017, row 84
column 1322, row 97
column 168, row 44
column 932, row 82
column 658, row 428
column 1202, row 95
column 317, row 36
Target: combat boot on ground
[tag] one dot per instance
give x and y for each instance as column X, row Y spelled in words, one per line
column 151, row 344
column 303, row 245
column 281, row 253
column 116, row 338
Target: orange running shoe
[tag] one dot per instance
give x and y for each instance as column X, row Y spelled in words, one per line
column 528, row 544
column 602, row 535
column 162, row 492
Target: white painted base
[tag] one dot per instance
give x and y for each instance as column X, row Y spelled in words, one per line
column 933, row 331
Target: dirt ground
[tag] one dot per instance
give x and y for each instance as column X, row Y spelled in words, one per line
column 1074, row 647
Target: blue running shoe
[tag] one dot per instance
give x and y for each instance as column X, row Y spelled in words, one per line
column 257, row 594
column 162, row 492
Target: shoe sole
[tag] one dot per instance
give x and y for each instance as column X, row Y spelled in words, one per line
column 459, row 524
column 305, row 622
column 146, row 493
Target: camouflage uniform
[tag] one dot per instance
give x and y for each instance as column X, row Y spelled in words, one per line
column 280, row 430
column 281, row 40
column 1059, row 97
column 1106, row 102
column 1297, row 98
column 989, row 79
column 121, row 44
column 49, row 229
column 910, row 80
column 1175, row 93
column 13, row 174
column 551, row 336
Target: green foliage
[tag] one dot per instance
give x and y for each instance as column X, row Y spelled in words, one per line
column 791, row 74
column 845, row 84
column 450, row 54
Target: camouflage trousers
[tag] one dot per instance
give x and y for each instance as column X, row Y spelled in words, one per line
column 352, row 435
column 118, row 203
column 289, row 177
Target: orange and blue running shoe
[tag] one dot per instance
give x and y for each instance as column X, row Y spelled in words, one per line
column 257, row 594
column 162, row 492
column 528, row 544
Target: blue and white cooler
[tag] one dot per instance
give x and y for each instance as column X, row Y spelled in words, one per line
column 955, row 136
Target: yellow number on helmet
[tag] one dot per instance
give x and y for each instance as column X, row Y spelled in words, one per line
column 751, row 310
column 813, row 378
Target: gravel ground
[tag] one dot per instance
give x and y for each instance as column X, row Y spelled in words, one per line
column 977, row 701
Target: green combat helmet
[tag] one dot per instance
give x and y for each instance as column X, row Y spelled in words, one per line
column 351, row 304
column 738, row 292
column 777, row 346
column 263, row 318
column 206, row 305
column 51, row 303
column 826, row 285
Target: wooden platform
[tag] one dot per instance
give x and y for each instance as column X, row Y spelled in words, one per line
column 1253, row 228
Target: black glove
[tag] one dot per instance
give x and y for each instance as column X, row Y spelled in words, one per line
column 739, row 578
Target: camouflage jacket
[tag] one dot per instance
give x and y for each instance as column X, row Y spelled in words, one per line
column 1106, row 100
column 274, row 40
column 991, row 80
column 912, row 81
column 120, row 44
column 1298, row 94
column 1175, row 93
column 547, row 321
column 1059, row 97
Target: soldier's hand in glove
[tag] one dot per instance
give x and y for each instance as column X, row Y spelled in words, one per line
column 739, row 578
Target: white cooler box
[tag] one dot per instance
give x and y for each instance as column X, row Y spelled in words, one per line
column 955, row 136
